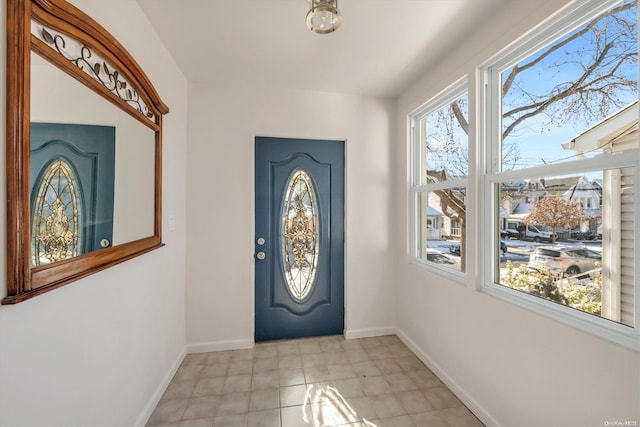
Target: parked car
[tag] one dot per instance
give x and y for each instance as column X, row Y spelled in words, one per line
column 565, row 259
column 455, row 249
column 534, row 232
column 517, row 229
column 438, row 258
column 507, row 233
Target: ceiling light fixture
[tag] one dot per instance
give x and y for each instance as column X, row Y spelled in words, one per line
column 324, row 16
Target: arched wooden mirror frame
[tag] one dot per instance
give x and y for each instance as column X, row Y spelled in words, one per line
column 23, row 280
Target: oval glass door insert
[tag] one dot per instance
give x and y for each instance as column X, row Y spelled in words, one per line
column 299, row 238
column 56, row 215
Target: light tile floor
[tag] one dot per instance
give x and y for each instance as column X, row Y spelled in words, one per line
column 327, row 381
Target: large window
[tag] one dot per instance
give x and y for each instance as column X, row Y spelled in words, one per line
column 562, row 166
column 553, row 149
column 439, row 184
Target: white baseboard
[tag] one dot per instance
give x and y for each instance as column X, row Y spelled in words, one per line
column 351, row 334
column 157, row 395
column 467, row 399
column 220, row 346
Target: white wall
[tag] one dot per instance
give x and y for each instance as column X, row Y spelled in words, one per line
column 510, row 366
column 135, row 150
column 100, row 350
column 222, row 124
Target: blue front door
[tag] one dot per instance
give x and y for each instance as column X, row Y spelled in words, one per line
column 72, row 189
column 299, row 238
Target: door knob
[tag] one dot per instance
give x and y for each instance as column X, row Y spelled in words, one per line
column 261, row 255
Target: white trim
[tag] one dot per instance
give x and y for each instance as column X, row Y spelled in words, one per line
column 206, row 347
column 609, row 330
column 414, row 145
column 470, row 402
column 436, row 102
column 484, row 109
column 369, row 332
column 491, row 105
column 600, row 327
column 566, row 20
column 448, row 273
column 580, row 166
column 146, row 413
column 636, row 257
column 611, row 239
column 606, row 133
column 442, row 185
column 456, row 90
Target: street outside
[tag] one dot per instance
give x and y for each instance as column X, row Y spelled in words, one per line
column 518, row 251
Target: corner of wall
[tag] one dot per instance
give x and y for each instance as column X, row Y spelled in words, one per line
column 470, row 402
column 162, row 387
column 351, row 334
column 205, row 347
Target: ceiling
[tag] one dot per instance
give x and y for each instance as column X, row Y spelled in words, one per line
column 381, row 46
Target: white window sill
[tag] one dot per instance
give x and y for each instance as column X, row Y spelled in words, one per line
column 447, row 273
column 608, row 330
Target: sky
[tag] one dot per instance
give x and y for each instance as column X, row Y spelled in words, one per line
column 540, row 142
column 538, row 139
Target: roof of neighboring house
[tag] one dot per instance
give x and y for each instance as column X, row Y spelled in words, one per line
column 559, row 186
column 593, row 212
column 616, row 132
column 433, row 212
column 520, row 216
column 522, row 209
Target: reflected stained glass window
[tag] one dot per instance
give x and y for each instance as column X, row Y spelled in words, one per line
column 56, row 214
column 299, row 234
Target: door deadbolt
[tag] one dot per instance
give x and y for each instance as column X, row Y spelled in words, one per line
column 261, row 255
column 260, row 241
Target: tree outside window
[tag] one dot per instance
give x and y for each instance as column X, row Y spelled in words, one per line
column 572, row 105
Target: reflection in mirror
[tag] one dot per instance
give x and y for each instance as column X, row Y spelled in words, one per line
column 71, row 185
column 83, row 151
column 57, row 212
column 101, row 160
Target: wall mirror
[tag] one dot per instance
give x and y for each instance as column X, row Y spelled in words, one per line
column 84, row 129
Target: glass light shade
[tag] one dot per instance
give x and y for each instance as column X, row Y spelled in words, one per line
column 324, row 16
column 323, row 20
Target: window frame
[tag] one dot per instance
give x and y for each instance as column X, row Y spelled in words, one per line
column 564, row 21
column 456, row 90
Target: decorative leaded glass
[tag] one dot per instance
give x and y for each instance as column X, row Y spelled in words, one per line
column 299, row 234
column 55, row 221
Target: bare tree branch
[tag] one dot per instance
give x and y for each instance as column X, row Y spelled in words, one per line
column 574, row 88
column 599, row 51
column 457, row 112
column 517, row 69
